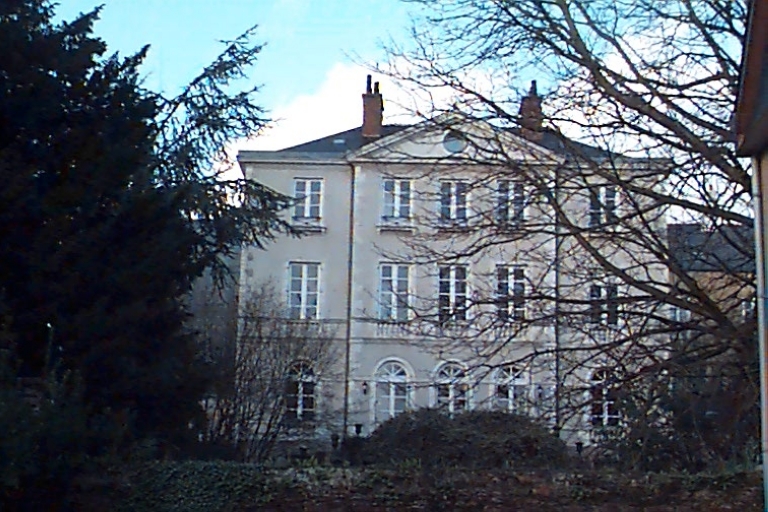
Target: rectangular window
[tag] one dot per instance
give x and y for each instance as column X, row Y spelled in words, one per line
column 511, row 292
column 602, row 205
column 511, row 397
column 680, row 315
column 308, row 195
column 511, row 202
column 452, row 293
column 603, row 304
column 453, row 201
column 299, row 398
column 453, row 397
column 397, row 199
column 303, row 291
column 604, row 410
column 394, row 301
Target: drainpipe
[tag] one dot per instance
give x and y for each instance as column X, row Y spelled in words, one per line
column 348, row 334
column 558, row 389
column 762, row 308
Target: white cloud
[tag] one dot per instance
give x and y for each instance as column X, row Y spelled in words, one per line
column 336, row 105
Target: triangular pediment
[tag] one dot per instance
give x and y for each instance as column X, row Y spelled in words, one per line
column 450, row 139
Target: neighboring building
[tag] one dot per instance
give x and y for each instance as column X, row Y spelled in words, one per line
column 721, row 262
column 383, row 208
column 716, row 295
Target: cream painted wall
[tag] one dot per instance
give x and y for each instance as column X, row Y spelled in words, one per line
column 373, row 342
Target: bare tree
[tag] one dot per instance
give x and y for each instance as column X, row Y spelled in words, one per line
column 269, row 383
column 630, row 238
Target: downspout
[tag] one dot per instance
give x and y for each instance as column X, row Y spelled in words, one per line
column 557, row 302
column 348, row 334
column 762, row 309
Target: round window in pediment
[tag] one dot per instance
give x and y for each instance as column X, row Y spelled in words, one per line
column 454, row 142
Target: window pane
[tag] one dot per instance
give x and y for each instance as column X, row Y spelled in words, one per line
column 445, row 200
column 613, row 306
column 389, row 198
column 461, row 200
column 445, row 283
column 405, row 198
column 444, row 308
column 595, row 207
column 299, row 187
column 502, row 201
column 402, row 310
column 520, row 400
column 460, row 282
column 502, row 283
column 316, row 186
column 312, row 270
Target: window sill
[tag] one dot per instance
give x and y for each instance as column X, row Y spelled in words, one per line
column 453, row 227
column 390, row 328
column 605, row 228
column 308, row 226
column 384, row 321
column 396, row 227
column 305, row 321
column 510, row 226
column 454, row 325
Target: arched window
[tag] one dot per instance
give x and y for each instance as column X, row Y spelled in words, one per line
column 452, row 388
column 511, row 391
column 603, row 394
column 300, row 393
column 391, row 390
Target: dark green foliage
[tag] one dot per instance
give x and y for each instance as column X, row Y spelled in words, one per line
column 48, row 438
column 688, row 424
column 477, row 439
column 109, row 211
column 195, row 486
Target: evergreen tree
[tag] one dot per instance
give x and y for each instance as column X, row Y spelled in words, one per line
column 109, row 210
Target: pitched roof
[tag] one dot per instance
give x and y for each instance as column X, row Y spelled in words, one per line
column 343, row 141
column 728, row 248
column 562, row 145
column 350, row 140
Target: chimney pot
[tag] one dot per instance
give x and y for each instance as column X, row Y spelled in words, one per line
column 373, row 106
column 531, row 116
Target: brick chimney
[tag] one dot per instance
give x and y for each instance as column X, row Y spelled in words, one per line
column 373, row 108
column 531, row 117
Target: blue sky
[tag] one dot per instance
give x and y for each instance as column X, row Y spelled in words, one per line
column 306, row 68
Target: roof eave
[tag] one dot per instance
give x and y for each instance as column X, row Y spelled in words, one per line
column 246, row 157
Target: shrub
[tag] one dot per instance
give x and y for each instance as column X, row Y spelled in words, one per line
column 195, row 486
column 46, row 441
column 702, row 424
column 477, row 439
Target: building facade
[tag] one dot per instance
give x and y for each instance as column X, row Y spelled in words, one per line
column 441, row 267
